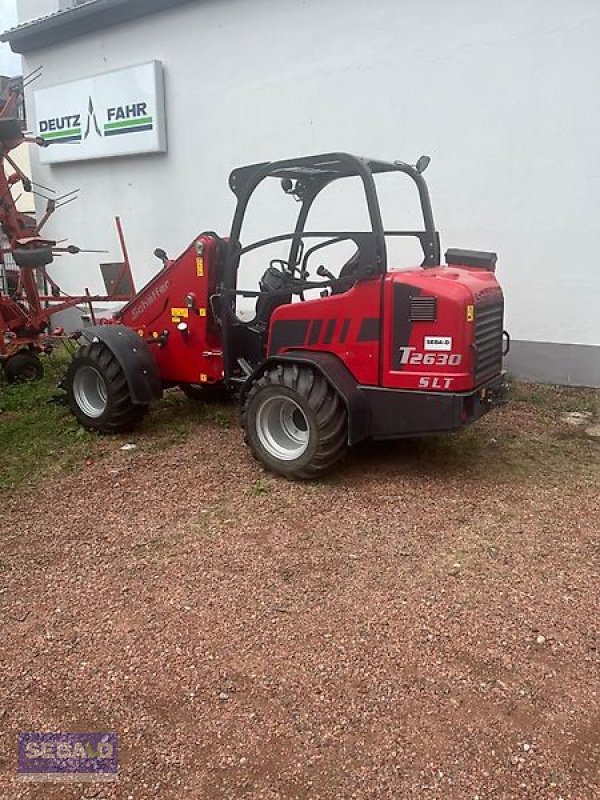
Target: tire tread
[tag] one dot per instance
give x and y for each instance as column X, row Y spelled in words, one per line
column 323, row 400
column 124, row 415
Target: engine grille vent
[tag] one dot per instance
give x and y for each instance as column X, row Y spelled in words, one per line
column 423, row 309
column 489, row 324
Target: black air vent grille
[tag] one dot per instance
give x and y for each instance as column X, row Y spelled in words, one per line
column 423, row 309
column 488, row 340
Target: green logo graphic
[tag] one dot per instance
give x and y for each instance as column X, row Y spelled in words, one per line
column 131, row 118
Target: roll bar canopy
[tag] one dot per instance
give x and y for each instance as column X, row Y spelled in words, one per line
column 309, row 175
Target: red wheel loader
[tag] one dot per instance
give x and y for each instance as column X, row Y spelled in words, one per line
column 376, row 354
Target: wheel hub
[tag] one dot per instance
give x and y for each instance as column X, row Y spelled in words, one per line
column 282, row 428
column 89, row 391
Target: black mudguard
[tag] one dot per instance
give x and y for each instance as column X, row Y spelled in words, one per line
column 134, row 356
column 338, row 375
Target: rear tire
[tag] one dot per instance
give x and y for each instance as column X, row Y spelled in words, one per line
column 295, row 422
column 23, row 368
column 98, row 392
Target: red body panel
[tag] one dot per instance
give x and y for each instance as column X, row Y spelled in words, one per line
column 339, row 324
column 193, row 355
column 372, row 328
column 452, row 369
column 405, row 360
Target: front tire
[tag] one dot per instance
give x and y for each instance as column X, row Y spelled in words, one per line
column 295, row 422
column 98, row 391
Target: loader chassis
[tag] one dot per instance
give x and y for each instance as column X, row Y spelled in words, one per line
column 379, row 354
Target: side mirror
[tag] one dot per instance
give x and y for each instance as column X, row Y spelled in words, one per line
column 422, row 164
column 287, row 185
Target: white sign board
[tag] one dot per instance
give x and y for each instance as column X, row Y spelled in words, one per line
column 114, row 114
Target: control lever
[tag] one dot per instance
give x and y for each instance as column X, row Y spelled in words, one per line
column 322, row 272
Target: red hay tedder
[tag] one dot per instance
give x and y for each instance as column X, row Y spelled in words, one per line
column 28, row 294
column 327, row 360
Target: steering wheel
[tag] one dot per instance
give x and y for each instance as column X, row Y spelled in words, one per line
column 284, row 266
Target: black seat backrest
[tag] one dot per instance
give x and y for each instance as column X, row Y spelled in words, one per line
column 348, row 274
column 273, row 282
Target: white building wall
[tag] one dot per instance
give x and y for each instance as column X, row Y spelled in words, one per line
column 502, row 95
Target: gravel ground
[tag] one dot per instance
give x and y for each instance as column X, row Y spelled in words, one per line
column 424, row 624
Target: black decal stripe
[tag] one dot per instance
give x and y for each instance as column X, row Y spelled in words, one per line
column 119, row 131
column 369, row 330
column 344, row 330
column 329, row 331
column 402, row 324
column 315, row 331
column 63, row 139
column 287, row 333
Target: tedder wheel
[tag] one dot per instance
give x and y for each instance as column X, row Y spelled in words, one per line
column 295, row 422
column 98, row 392
column 23, row 367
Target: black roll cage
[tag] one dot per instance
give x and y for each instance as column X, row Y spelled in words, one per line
column 305, row 178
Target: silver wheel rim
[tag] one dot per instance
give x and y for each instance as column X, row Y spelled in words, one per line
column 282, row 428
column 89, row 391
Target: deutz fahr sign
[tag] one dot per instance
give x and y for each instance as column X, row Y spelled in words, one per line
column 114, row 114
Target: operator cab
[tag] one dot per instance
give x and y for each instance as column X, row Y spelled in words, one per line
column 289, row 279
column 277, row 289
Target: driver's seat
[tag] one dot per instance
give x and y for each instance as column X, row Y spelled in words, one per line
column 348, row 274
column 274, row 280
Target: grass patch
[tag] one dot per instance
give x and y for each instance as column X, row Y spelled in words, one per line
column 526, row 438
column 40, row 438
column 36, row 435
column 555, row 398
column 176, row 418
column 501, row 452
column 260, row 487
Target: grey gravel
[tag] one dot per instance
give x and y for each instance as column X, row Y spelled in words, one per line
column 311, row 640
